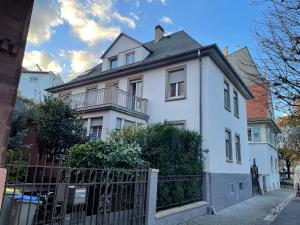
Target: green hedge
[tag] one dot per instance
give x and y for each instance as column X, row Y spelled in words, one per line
column 99, row 154
column 167, row 148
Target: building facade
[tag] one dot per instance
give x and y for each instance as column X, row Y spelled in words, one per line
column 34, row 82
column 262, row 130
column 172, row 78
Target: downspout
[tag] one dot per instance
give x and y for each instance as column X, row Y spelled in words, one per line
column 211, row 210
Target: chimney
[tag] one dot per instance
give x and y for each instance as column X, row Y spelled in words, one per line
column 225, row 51
column 159, row 33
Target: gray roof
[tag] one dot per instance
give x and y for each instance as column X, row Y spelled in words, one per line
column 243, row 64
column 169, row 45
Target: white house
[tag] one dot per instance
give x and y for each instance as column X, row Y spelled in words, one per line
column 262, row 129
column 34, row 82
column 172, row 78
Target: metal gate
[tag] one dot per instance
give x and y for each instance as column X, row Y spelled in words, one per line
column 40, row 190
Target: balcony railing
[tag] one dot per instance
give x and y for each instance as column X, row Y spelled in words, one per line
column 105, row 97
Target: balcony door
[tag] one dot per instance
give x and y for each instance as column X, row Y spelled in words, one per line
column 91, row 96
column 135, row 94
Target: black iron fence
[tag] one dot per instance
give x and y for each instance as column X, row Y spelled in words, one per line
column 40, row 190
column 177, row 190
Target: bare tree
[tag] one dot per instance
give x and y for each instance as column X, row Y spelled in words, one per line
column 278, row 39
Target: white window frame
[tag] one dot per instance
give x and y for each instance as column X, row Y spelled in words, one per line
column 131, row 56
column 236, row 109
column 227, row 103
column 229, row 155
column 110, row 60
column 238, row 151
column 177, row 123
column 168, row 85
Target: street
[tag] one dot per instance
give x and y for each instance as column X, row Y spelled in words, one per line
column 259, row 210
column 289, row 215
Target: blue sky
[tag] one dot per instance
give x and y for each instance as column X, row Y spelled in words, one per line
column 69, row 36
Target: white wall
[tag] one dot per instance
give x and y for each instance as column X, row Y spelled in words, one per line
column 262, row 153
column 216, row 118
column 35, row 90
column 123, row 46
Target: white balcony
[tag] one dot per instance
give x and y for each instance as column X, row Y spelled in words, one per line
column 107, row 97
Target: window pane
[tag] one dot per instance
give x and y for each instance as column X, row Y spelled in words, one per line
column 95, row 132
column 128, row 123
column 172, row 90
column 119, row 123
column 238, row 148
column 228, row 145
column 249, row 134
column 236, row 104
column 179, row 125
column 113, row 63
column 181, row 88
column 226, row 95
column 256, row 134
column 130, row 58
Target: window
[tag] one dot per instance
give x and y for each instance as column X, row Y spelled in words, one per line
column 226, row 96
column 113, row 62
column 236, row 103
column 241, row 186
column 178, row 124
column 96, row 128
column 250, row 134
column 119, row 123
column 33, row 79
column 176, row 84
column 231, row 188
column 228, row 145
column 128, row 123
column 256, row 134
column 130, row 58
column 135, row 90
column 238, row 148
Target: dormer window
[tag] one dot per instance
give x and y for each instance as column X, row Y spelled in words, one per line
column 130, row 58
column 113, row 62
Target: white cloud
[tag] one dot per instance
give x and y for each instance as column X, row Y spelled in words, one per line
column 164, row 2
column 46, row 61
column 79, row 61
column 128, row 21
column 85, row 19
column 166, row 20
column 134, row 16
column 45, row 17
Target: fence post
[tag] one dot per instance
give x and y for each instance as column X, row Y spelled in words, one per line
column 151, row 196
column 3, row 172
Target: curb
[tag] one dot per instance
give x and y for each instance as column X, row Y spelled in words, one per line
column 276, row 211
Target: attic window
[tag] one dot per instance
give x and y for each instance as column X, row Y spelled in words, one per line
column 130, row 58
column 113, row 62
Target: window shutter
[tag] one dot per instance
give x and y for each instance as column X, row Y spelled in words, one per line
column 176, row 76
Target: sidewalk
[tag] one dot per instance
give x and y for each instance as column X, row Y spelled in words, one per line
column 259, row 210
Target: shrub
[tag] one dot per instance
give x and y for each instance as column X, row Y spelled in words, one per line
column 171, row 150
column 165, row 147
column 99, row 154
column 59, row 127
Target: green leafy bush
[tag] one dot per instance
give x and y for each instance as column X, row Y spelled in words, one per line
column 174, row 152
column 59, row 126
column 165, row 147
column 99, row 154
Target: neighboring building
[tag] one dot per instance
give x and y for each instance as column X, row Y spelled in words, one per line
column 262, row 129
column 34, row 82
column 172, row 78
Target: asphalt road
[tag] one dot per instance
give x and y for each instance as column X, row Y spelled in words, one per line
column 290, row 215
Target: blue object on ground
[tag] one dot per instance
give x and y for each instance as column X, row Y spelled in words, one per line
column 26, row 198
